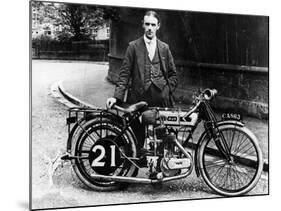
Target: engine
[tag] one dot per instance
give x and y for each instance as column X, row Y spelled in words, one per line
column 166, row 157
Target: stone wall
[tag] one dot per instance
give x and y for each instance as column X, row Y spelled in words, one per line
column 240, row 90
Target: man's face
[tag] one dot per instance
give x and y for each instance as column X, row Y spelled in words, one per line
column 150, row 25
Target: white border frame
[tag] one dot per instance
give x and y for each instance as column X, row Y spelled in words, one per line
column 15, row 103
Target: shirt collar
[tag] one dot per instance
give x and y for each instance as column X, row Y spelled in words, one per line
column 148, row 41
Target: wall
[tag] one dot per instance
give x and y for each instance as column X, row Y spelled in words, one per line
column 70, row 50
column 222, row 51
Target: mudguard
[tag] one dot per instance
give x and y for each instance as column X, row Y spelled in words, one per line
column 90, row 116
column 200, row 141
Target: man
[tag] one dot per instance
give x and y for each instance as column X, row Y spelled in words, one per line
column 148, row 72
column 145, row 61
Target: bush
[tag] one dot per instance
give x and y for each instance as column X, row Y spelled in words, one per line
column 36, row 42
column 64, row 36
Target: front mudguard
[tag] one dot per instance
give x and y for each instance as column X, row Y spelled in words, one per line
column 203, row 135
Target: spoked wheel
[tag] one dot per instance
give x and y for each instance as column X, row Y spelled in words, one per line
column 240, row 172
column 100, row 149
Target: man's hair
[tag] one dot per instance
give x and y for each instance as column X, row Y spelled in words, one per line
column 152, row 13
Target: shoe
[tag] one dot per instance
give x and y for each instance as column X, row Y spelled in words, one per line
column 142, row 162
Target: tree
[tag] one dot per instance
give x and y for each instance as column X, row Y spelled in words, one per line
column 81, row 20
column 72, row 21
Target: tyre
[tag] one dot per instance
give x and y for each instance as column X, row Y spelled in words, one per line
column 100, row 150
column 241, row 171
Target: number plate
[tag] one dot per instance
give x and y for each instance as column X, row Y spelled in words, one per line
column 232, row 116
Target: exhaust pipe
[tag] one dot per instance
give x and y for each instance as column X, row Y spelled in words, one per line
column 121, row 179
column 139, row 180
column 160, row 176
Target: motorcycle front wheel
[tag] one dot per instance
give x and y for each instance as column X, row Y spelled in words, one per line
column 237, row 173
column 101, row 148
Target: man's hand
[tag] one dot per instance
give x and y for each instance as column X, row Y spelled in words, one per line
column 110, row 102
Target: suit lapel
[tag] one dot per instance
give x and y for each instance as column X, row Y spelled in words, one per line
column 161, row 55
column 140, row 55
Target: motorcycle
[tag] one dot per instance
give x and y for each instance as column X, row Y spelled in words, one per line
column 105, row 153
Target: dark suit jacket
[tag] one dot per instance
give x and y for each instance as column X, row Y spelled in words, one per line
column 133, row 69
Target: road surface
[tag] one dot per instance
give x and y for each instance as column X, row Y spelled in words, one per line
column 49, row 135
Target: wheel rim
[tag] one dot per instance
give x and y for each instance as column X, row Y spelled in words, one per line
column 94, row 134
column 236, row 174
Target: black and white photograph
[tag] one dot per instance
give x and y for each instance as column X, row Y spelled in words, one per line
column 133, row 105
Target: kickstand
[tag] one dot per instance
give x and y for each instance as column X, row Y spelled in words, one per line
column 54, row 164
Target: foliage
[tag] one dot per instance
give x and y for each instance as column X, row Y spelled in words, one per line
column 75, row 21
column 40, row 39
column 64, row 36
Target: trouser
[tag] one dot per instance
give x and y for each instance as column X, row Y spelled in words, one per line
column 154, row 97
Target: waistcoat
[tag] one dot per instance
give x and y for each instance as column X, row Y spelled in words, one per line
column 152, row 72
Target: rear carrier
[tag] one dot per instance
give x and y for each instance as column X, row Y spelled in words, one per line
column 77, row 113
column 77, row 116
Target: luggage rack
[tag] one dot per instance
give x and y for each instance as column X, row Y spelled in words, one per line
column 77, row 116
column 76, row 113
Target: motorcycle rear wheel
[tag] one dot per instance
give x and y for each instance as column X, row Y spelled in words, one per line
column 102, row 133
column 237, row 175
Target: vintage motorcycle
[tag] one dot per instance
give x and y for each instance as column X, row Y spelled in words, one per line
column 105, row 153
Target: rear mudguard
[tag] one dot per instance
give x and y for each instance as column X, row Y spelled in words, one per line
column 88, row 117
column 200, row 141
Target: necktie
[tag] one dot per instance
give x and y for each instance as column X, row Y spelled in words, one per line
column 150, row 50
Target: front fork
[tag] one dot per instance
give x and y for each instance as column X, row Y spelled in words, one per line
column 213, row 132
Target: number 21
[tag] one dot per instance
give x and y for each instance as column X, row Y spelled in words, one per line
column 97, row 161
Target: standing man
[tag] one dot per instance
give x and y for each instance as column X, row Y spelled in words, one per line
column 148, row 72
